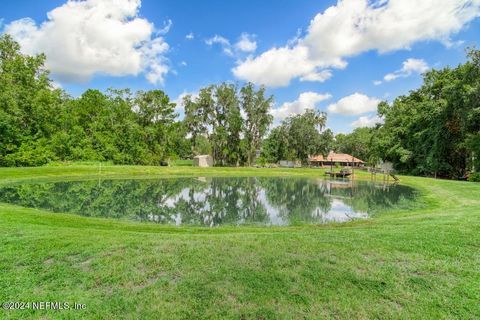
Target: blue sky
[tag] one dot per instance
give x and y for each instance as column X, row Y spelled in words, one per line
column 322, row 54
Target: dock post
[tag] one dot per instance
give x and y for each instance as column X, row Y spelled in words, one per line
column 353, row 164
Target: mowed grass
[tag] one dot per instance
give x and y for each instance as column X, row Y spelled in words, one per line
column 418, row 264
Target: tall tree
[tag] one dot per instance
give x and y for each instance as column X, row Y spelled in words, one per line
column 156, row 115
column 195, row 120
column 298, row 137
column 29, row 107
column 226, row 123
column 358, row 144
column 431, row 131
column 275, row 146
column 216, row 113
column 304, row 131
column 258, row 118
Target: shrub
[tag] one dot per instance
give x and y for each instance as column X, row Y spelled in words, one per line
column 474, row 177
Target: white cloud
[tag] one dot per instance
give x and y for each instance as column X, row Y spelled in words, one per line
column 355, row 26
column 409, row 67
column 377, row 82
column 84, row 38
column 320, row 76
column 223, row 42
column 353, row 104
column 183, row 63
column 166, row 27
column 246, row 43
column 216, row 39
column 190, row 36
column 152, row 60
column 365, row 121
column 306, row 100
column 276, row 67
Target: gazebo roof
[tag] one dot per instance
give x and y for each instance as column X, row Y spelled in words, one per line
column 335, row 157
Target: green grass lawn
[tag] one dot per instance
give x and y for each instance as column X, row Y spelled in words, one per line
column 421, row 264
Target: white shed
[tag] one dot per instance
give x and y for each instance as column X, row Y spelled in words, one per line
column 203, row 161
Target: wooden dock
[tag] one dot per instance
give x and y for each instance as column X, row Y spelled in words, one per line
column 341, row 173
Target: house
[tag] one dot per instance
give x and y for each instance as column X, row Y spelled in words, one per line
column 203, row 161
column 333, row 159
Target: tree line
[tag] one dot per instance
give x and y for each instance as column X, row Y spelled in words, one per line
column 298, row 137
column 433, row 130
column 40, row 124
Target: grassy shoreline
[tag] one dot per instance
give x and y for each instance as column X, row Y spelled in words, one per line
column 407, row 264
column 8, row 175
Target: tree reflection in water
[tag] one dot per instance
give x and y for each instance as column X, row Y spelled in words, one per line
column 215, row 201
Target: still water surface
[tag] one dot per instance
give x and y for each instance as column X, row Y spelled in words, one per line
column 216, row 201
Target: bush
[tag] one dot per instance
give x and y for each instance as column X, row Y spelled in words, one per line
column 30, row 154
column 261, row 161
column 474, row 177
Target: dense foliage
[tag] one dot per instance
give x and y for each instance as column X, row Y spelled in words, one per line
column 432, row 131
column 298, row 137
column 359, row 143
column 435, row 130
column 232, row 121
column 40, row 124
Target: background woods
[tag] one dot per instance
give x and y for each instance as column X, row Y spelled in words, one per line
column 434, row 130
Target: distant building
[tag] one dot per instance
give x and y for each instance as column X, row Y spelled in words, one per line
column 203, row 161
column 333, row 158
column 290, row 164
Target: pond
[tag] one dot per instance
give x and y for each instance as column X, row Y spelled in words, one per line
column 215, row 201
